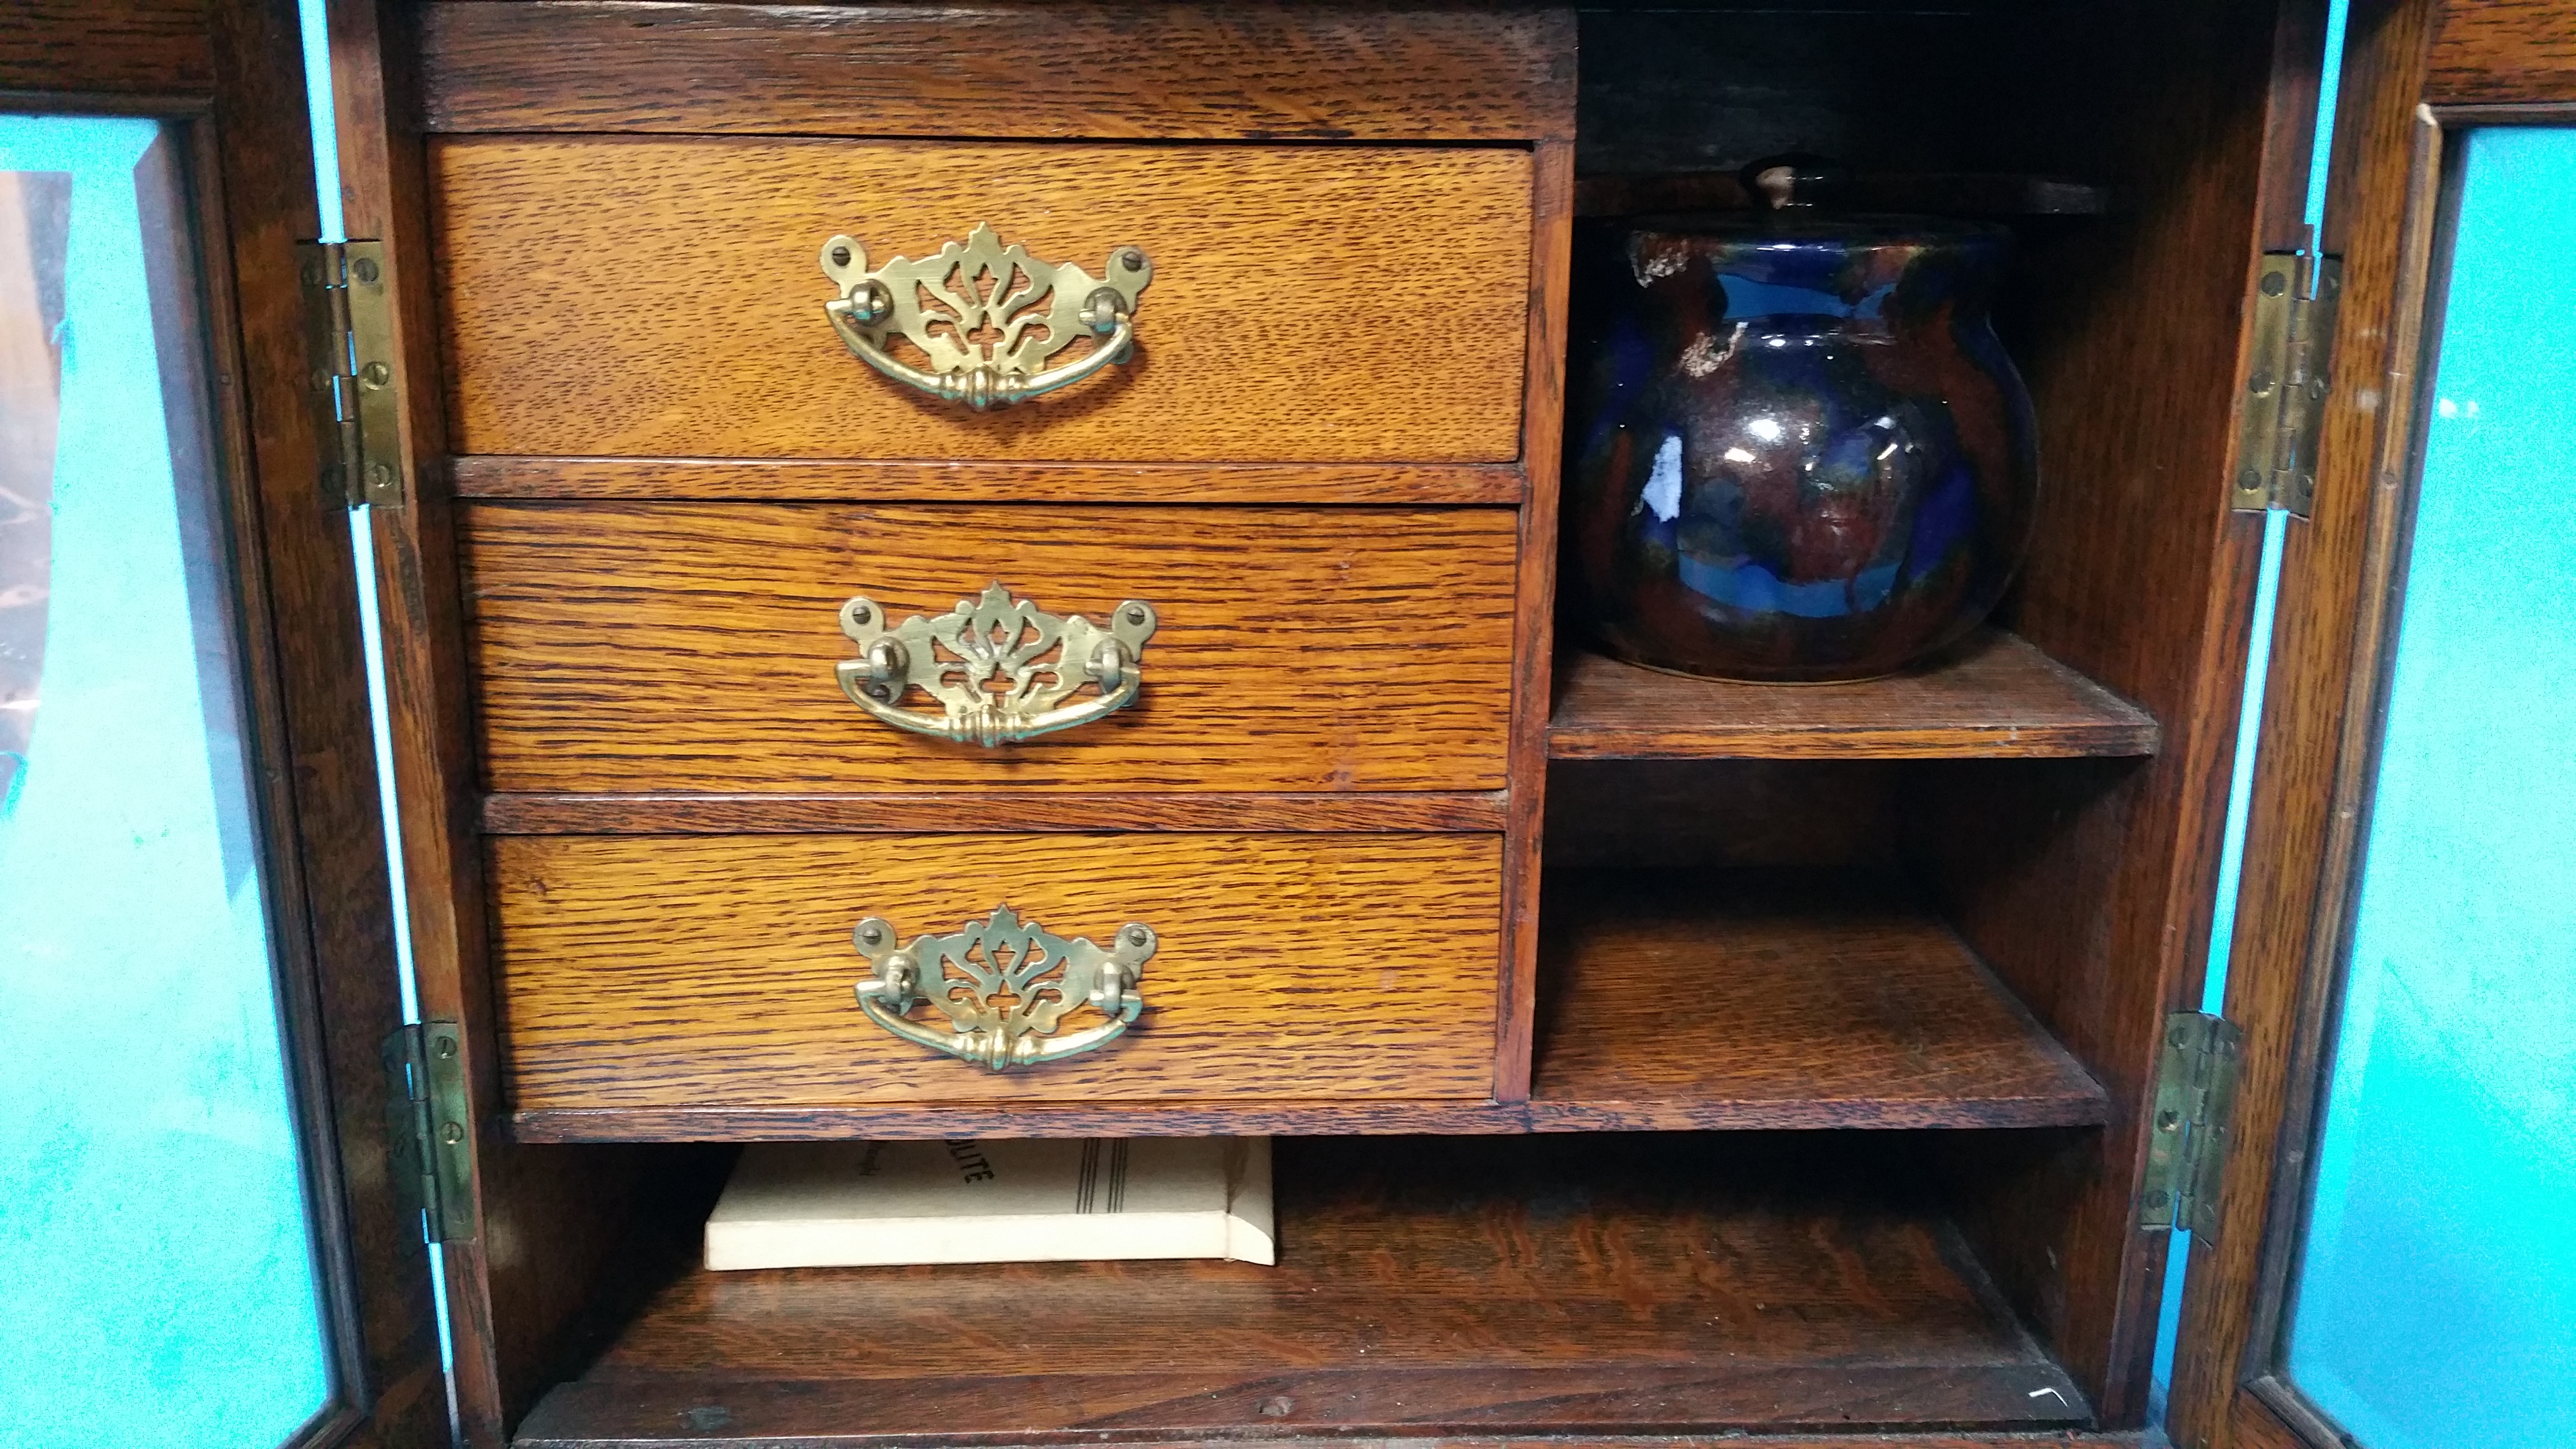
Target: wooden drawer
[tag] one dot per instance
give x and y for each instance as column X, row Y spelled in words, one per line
column 647, row 647
column 662, row 296
column 719, row 970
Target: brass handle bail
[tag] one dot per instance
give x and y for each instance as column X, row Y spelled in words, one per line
column 987, row 662
column 989, row 317
column 1005, row 986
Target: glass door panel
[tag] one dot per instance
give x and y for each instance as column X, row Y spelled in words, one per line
column 158, row 1279
column 2435, row 1289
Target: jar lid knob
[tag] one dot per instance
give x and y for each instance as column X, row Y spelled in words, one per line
column 1794, row 181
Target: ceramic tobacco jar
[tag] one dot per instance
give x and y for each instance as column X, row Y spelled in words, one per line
column 1798, row 451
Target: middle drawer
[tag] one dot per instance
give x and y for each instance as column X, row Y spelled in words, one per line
column 691, row 647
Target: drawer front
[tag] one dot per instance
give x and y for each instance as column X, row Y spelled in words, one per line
column 720, row 970
column 636, row 648
column 649, row 296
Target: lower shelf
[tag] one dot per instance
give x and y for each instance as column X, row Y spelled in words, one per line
column 1598, row 1284
column 1667, row 1001
column 1752, row 999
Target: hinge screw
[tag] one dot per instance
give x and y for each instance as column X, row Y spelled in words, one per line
column 376, row 374
column 365, row 270
column 2274, row 284
column 451, row 1134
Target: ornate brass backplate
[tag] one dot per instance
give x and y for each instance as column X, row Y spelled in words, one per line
column 1005, row 985
column 988, row 664
column 988, row 316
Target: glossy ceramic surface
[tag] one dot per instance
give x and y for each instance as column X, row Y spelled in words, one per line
column 1800, row 452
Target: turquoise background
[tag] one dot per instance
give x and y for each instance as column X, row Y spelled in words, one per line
column 157, row 1283
column 2437, row 1293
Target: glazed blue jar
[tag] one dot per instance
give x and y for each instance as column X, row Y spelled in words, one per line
column 1798, row 451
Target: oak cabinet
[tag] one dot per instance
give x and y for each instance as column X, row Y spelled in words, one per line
column 1651, row 1057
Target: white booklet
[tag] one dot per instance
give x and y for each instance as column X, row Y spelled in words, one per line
column 852, row 1204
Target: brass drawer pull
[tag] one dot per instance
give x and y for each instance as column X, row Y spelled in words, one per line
column 987, row 316
column 1005, row 985
column 985, row 662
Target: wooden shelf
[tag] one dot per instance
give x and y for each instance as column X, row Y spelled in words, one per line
column 1675, row 1000
column 1946, row 192
column 1424, row 1286
column 1995, row 697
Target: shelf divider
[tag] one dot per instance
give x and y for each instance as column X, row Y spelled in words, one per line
column 1995, row 697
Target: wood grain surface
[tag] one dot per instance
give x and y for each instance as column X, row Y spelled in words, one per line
column 987, row 811
column 1542, row 432
column 1257, row 71
column 714, row 969
column 2502, row 52
column 1649, row 1285
column 1996, row 696
column 645, row 296
column 217, row 195
column 484, row 475
column 2087, row 885
column 553, row 1223
column 158, row 48
column 1680, row 1000
column 690, row 647
column 2316, row 757
column 1666, row 1001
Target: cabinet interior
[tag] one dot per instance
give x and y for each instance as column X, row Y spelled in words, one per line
column 1847, row 997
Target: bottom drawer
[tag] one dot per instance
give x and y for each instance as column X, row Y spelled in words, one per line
column 720, row 970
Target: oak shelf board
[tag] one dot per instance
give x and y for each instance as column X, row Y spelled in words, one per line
column 1996, row 696
column 1602, row 1284
column 1766, row 999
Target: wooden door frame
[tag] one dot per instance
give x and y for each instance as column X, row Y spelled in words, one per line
column 2414, row 72
column 227, row 79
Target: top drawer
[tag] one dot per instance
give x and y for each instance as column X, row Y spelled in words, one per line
column 663, row 297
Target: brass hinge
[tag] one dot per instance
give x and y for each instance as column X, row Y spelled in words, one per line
column 2296, row 296
column 349, row 343
column 2195, row 1100
column 429, row 1126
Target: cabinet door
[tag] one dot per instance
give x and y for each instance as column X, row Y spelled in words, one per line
column 2391, row 1264
column 200, row 1242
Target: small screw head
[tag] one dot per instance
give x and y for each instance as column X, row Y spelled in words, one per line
column 2261, row 382
column 451, row 1134
column 840, row 256
column 1137, row 936
column 2249, row 480
column 2274, row 284
column 379, row 476
column 376, row 374
column 445, row 1048
column 860, row 612
column 871, row 934
column 2167, row 1120
column 1131, row 259
column 366, row 271
column 1135, row 616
